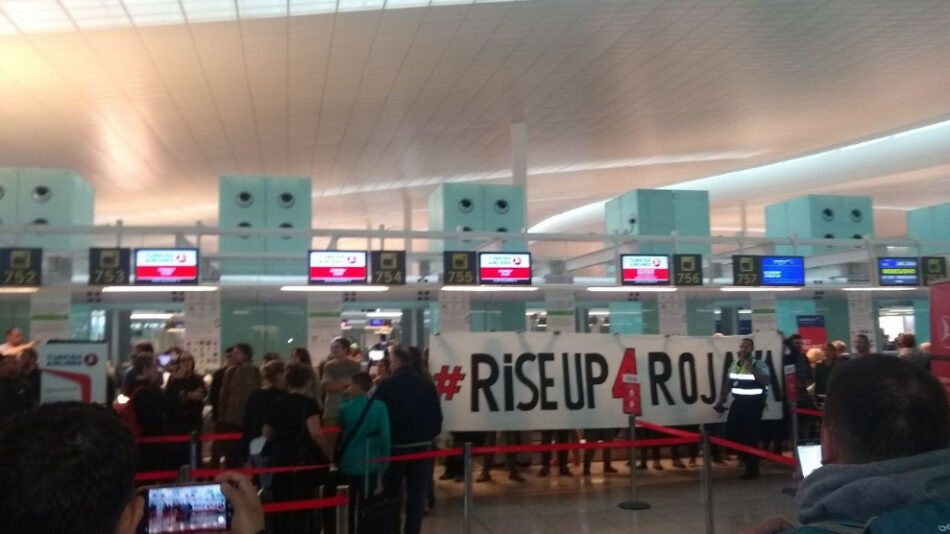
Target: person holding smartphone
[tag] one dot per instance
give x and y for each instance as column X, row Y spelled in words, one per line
column 747, row 382
column 75, row 472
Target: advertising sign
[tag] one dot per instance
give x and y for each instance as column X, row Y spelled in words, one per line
column 337, row 267
column 389, row 267
column 504, row 268
column 898, row 271
column 812, row 330
column 687, row 269
column 940, row 333
column 73, row 371
column 109, row 266
column 538, row 381
column 21, row 266
column 166, row 266
column 643, row 269
column 783, row 271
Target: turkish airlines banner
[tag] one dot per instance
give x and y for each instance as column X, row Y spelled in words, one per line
column 540, row 381
column 73, row 371
column 940, row 332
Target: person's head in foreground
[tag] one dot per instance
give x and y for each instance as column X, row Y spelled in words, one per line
column 884, row 444
column 70, row 467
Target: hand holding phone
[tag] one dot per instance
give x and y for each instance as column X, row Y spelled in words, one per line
column 248, row 517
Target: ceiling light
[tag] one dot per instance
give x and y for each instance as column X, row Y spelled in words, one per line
column 18, row 290
column 488, row 289
column 384, row 315
column 876, row 288
column 632, row 289
column 598, row 313
column 145, row 316
column 159, row 289
column 759, row 289
column 336, row 289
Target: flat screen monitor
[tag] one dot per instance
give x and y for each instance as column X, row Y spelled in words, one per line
column 166, row 266
column 783, row 271
column 644, row 270
column 898, row 271
column 504, row 268
column 337, row 267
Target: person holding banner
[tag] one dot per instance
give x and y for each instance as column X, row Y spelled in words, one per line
column 747, row 381
column 14, row 344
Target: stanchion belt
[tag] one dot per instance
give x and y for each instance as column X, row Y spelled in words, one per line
column 771, row 456
column 309, row 504
column 806, row 411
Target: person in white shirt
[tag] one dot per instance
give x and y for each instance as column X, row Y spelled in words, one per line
column 14, row 344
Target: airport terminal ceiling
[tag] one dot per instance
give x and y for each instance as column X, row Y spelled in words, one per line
column 378, row 102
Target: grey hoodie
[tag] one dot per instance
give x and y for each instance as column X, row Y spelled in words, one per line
column 858, row 492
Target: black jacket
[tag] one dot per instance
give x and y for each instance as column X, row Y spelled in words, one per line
column 415, row 415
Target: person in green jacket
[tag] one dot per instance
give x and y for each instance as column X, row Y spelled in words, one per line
column 371, row 440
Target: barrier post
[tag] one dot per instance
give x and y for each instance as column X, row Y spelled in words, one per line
column 468, row 500
column 707, row 482
column 343, row 511
column 633, row 503
column 195, row 450
column 185, row 474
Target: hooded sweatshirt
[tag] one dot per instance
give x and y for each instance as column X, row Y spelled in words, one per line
column 858, row 492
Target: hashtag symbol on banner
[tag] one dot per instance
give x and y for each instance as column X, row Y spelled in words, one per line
column 448, row 383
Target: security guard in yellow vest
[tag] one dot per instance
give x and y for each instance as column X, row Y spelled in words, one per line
column 747, row 381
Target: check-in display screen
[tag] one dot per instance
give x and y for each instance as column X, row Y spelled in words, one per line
column 504, row 268
column 783, row 271
column 337, row 267
column 166, row 266
column 898, row 271
column 641, row 269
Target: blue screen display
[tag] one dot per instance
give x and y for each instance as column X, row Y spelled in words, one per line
column 898, row 271
column 783, row 271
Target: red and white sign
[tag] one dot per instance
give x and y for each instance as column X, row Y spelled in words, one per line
column 166, row 266
column 637, row 269
column 500, row 268
column 337, row 267
column 940, row 333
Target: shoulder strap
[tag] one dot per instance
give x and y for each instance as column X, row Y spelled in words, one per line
column 345, row 442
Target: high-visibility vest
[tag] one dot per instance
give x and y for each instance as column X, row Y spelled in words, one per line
column 744, row 383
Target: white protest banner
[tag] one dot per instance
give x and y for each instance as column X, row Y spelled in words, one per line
column 539, row 381
column 73, row 371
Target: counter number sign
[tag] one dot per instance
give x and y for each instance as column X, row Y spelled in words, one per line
column 21, row 266
column 109, row 266
column 934, row 269
column 459, row 268
column 389, row 266
column 687, row 269
column 746, row 270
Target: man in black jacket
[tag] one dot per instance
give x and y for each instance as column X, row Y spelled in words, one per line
column 415, row 418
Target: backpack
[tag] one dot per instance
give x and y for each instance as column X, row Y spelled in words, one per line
column 927, row 516
column 126, row 413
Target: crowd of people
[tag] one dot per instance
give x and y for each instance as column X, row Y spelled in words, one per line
column 282, row 411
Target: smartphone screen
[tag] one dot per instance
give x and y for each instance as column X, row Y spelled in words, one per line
column 193, row 508
column 809, row 456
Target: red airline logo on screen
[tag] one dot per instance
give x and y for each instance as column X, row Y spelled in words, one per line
column 338, row 266
column 166, row 265
column 505, row 267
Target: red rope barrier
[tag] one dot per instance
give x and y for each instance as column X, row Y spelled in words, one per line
column 624, row 444
column 805, row 411
column 771, row 456
column 667, row 430
column 154, row 476
column 310, row 504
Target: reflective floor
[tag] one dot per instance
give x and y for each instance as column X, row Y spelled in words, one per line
column 575, row 505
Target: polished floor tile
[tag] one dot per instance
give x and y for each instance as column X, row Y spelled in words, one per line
column 579, row 505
